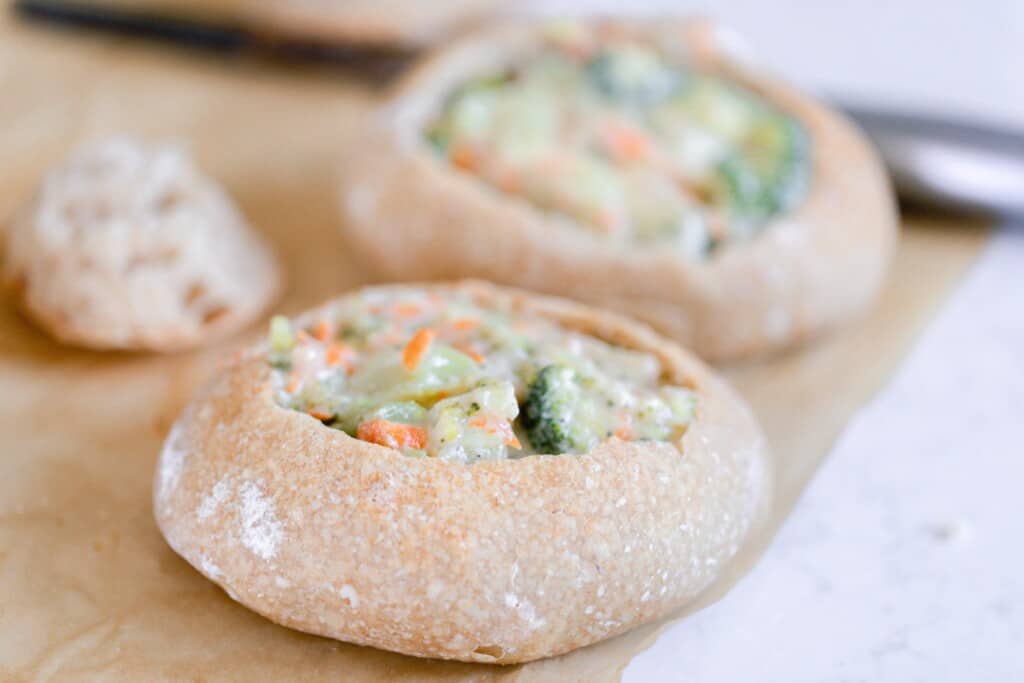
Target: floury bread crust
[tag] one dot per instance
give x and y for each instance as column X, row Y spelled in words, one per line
column 128, row 246
column 410, row 215
column 500, row 561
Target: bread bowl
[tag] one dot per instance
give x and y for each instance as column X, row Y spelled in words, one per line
column 702, row 196
column 280, row 483
column 127, row 245
column 378, row 24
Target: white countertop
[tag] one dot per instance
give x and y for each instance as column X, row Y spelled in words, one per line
column 904, row 559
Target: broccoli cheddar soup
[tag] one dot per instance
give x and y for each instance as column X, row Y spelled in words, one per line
column 604, row 129
column 438, row 375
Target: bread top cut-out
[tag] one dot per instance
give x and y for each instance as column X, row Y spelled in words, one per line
column 798, row 262
column 497, row 560
column 126, row 245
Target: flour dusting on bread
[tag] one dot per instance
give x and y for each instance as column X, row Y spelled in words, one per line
column 261, row 529
column 172, row 462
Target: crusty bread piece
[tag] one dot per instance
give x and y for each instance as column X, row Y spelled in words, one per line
column 499, row 561
column 128, row 246
column 396, row 24
column 410, row 215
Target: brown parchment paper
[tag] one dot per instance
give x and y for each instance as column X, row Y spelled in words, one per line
column 88, row 589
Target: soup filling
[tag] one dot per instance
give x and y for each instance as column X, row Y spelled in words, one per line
column 440, row 376
column 605, row 130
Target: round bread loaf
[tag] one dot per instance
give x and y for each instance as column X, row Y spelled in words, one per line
column 493, row 561
column 128, row 246
column 808, row 269
column 394, row 24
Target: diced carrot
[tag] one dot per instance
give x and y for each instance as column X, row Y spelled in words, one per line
column 626, row 143
column 392, row 434
column 293, row 384
column 320, row 414
column 302, row 336
column 464, row 157
column 465, row 324
column 417, row 348
column 478, row 422
column 323, row 330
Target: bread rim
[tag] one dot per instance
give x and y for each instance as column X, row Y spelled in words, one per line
column 499, row 561
column 410, row 216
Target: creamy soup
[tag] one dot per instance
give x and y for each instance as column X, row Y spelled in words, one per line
column 603, row 129
column 440, row 376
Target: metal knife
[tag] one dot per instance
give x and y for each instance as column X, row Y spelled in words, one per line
column 947, row 163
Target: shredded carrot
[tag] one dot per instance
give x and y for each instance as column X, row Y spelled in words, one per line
column 605, row 220
column 323, row 330
column 465, row 324
column 404, row 310
column 392, row 434
column 511, row 182
column 478, row 422
column 471, row 352
column 417, row 348
column 338, row 354
column 510, row 437
column 302, row 336
column 319, row 414
column 293, row 384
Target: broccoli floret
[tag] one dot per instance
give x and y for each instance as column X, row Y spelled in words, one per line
column 633, row 75
column 557, row 413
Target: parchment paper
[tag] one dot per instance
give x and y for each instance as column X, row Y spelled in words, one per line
column 88, row 589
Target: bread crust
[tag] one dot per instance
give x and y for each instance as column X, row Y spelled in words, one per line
column 499, row 561
column 406, row 24
column 409, row 215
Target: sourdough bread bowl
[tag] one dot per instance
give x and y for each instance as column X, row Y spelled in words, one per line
column 768, row 268
column 486, row 551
